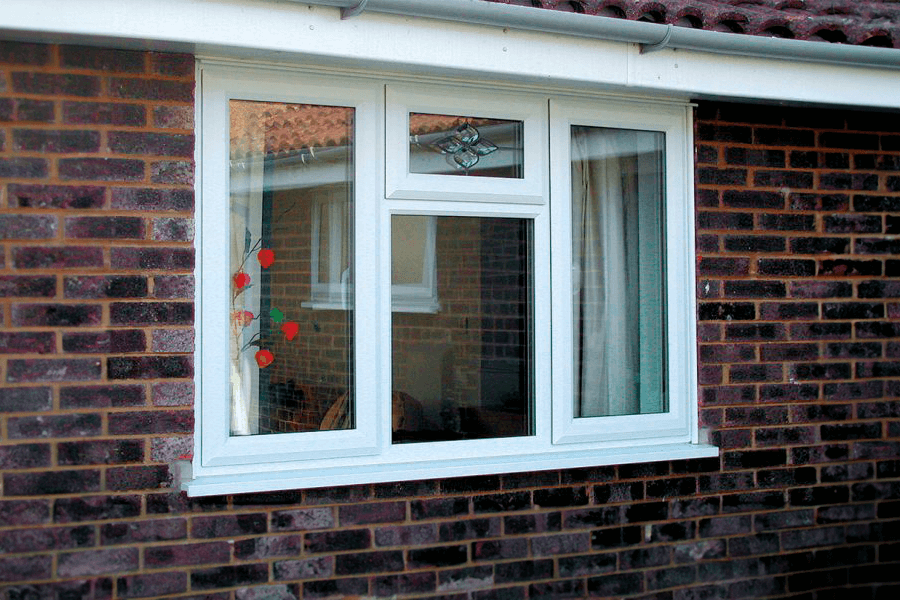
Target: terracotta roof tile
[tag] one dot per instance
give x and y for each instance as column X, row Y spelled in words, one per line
column 867, row 23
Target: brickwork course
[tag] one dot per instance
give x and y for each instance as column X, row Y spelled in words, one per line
column 798, row 211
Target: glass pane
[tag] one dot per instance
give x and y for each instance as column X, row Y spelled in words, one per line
column 291, row 241
column 465, row 371
column 409, row 237
column 459, row 145
column 617, row 271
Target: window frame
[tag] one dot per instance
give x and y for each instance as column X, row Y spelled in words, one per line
column 232, row 464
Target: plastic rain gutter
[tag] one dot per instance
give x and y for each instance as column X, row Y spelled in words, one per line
column 650, row 36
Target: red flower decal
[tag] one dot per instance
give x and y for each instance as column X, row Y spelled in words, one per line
column 265, row 257
column 241, row 279
column 264, row 358
column 243, row 317
column 290, row 329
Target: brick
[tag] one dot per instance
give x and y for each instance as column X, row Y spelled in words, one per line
column 149, row 367
column 335, row 588
column 113, row 286
column 25, row 399
column 25, row 286
column 103, row 113
column 50, row 369
column 616, row 537
column 726, row 311
column 55, row 196
column 53, row 426
column 229, row 576
column 812, row 538
column 169, row 259
column 723, row 353
column 854, row 141
column 101, row 396
column 101, row 169
column 151, row 313
column 606, row 494
column 804, row 201
column 171, row 449
column 155, row 530
column 468, row 529
column 794, row 392
column 27, row 227
column 268, row 547
column 57, row 257
column 790, row 179
column 151, row 89
column 525, row 570
column 848, row 181
column 786, row 267
column 819, row 454
column 179, row 172
column 13, row 52
column 152, row 199
column 615, row 586
column 368, row 562
column 755, row 157
column 723, row 266
column 97, row 452
column 784, row 436
column 755, row 331
column 502, row 502
column 151, row 144
column 95, row 508
column 766, row 136
column 51, row 483
column 724, row 220
column 173, row 286
column 126, row 228
column 117, row 340
column 718, row 176
column 724, row 133
column 173, row 394
column 40, row 540
column 821, row 289
column 55, row 141
column 811, row 371
column 55, row 84
column 181, row 555
column 173, row 340
column 307, row 568
column 225, row 526
column 852, row 224
column 27, row 342
column 552, row 545
column 151, row 585
column 25, row 568
column 151, row 421
column 540, row 523
column 788, row 222
column 820, row 331
column 392, row 585
column 138, row 478
column 878, row 289
column 55, row 315
column 784, row 520
column 24, row 168
column 755, row 289
column 788, row 352
column 820, row 246
column 499, row 549
column 877, row 329
column 437, row 556
column 24, row 456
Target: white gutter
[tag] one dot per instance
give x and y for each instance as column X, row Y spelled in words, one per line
column 651, row 36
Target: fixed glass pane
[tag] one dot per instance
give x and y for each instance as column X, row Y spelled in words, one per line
column 459, row 145
column 618, row 271
column 291, row 182
column 465, row 371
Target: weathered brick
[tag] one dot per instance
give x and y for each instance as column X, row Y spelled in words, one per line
column 26, row 370
column 110, row 286
column 179, row 172
column 466, row 529
column 805, row 201
column 116, row 340
column 307, row 568
column 173, row 286
column 151, row 313
column 152, row 199
column 24, row 456
column 222, row 526
column 151, row 144
column 40, row 540
column 27, row 227
column 138, row 478
column 25, row 399
column 25, row 568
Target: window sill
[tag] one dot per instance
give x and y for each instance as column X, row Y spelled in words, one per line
column 208, row 485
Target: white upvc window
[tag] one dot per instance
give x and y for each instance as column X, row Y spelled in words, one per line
column 402, row 281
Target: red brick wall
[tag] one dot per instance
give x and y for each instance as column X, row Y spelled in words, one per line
column 797, row 215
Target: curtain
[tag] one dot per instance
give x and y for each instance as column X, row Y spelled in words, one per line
column 605, row 302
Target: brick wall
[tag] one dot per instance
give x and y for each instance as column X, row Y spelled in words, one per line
column 797, row 215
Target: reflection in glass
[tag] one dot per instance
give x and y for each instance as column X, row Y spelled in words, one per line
column 465, row 371
column 291, row 189
column 617, row 270
column 457, row 145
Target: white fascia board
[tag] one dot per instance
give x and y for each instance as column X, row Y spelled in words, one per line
column 285, row 31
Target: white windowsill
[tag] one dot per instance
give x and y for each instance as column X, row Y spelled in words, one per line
column 319, row 477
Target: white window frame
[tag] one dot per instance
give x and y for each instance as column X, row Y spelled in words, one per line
column 233, row 464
